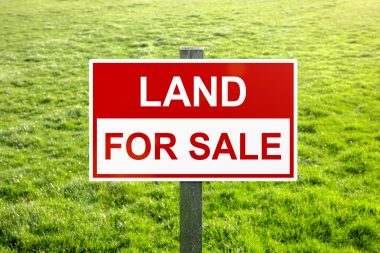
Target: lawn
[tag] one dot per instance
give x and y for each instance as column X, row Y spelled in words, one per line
column 47, row 203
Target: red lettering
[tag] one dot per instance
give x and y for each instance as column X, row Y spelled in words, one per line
column 167, row 147
column 110, row 145
column 265, row 145
column 219, row 150
column 243, row 155
column 204, row 147
column 147, row 146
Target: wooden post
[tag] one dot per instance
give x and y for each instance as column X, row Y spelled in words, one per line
column 191, row 192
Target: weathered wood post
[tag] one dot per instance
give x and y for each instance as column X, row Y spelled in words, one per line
column 191, row 192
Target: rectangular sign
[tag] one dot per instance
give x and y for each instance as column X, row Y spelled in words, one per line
column 193, row 120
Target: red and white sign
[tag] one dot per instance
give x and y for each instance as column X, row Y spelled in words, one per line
column 193, row 120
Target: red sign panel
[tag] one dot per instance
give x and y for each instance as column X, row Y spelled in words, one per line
column 193, row 120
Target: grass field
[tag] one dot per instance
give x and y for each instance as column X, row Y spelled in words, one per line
column 47, row 203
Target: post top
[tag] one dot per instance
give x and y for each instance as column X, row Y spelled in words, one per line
column 191, row 48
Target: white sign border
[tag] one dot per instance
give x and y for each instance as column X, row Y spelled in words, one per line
column 270, row 179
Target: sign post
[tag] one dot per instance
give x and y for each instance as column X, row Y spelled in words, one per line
column 191, row 192
column 193, row 120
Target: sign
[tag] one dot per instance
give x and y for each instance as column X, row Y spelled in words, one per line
column 193, row 120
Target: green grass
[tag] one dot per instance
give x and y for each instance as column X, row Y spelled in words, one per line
column 47, row 203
